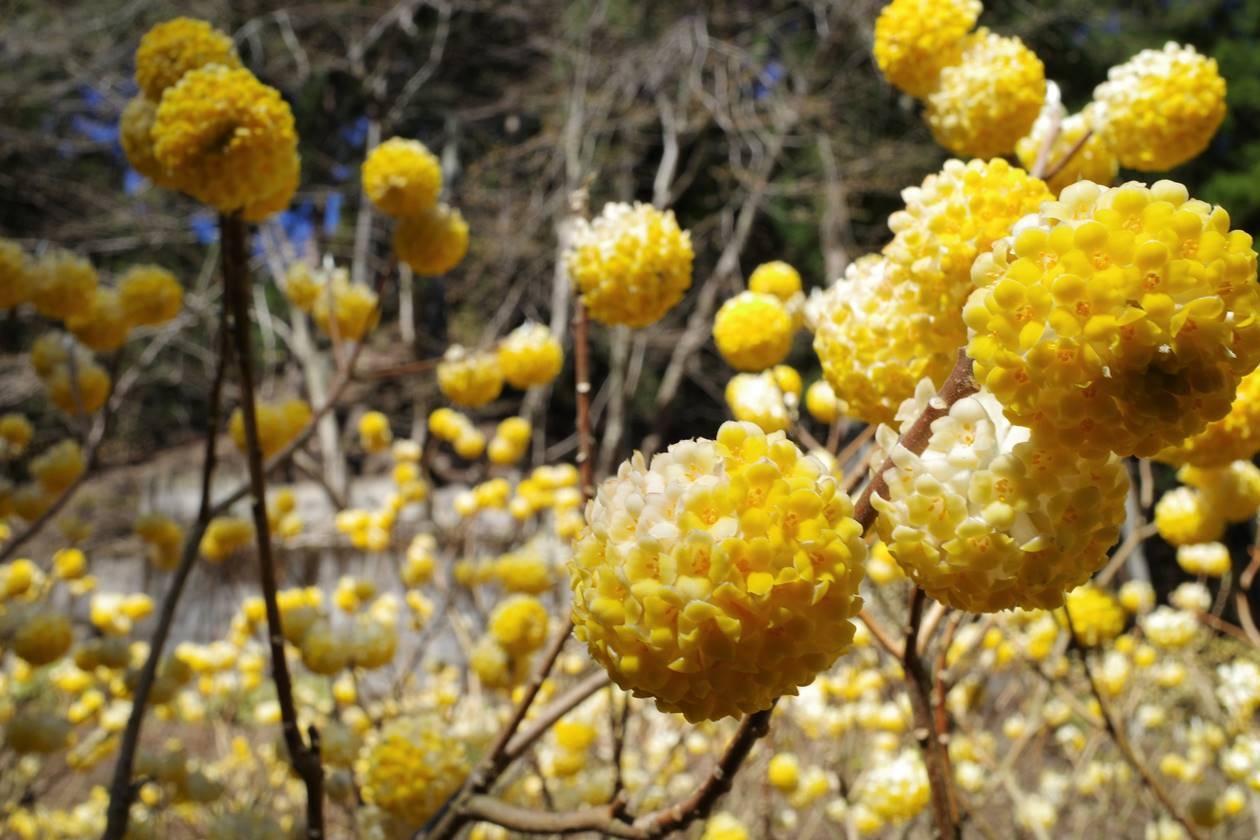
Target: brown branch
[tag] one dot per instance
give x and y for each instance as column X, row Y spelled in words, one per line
column 1062, row 162
column 880, row 635
column 121, row 790
column 540, row 723
column 582, row 374
column 1121, row 740
column 931, row 739
column 958, row 385
column 304, row 757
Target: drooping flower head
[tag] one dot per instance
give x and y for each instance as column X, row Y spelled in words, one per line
column 402, row 177
column 1117, row 319
column 225, row 138
column 720, row 576
column 470, row 378
column 762, row 399
column 432, row 241
column 986, row 518
column 1161, row 108
column 412, row 767
column 916, row 39
column 632, row 264
column 530, row 355
column 1236, row 436
column 989, row 99
column 135, row 134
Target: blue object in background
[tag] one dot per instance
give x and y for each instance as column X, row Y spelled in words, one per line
column 204, row 227
column 332, row 212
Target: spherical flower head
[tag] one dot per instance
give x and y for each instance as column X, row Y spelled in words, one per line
column 951, row 217
column 402, row 177
column 720, row 577
column 15, row 274
column 278, row 424
column 32, row 731
column 519, row 624
column 59, row 466
column 78, row 390
column 1097, row 616
column 876, row 340
column 1117, row 319
column 15, row 434
column 632, row 264
column 523, row 571
column 1236, row 436
column 225, row 138
column 821, row 402
column 104, row 326
column 42, row 637
column 172, row 48
column 757, row 398
column 896, row 789
column 1161, row 108
column 1092, row 160
column 1183, row 517
column 1231, row 492
column 784, row 772
column 1170, row 628
column 916, row 39
column 135, row 134
column 1137, row 596
column 989, row 99
column 987, row 518
column 470, row 378
column 149, row 295
column 724, row 826
column 495, row 667
column 412, row 768
column 63, row 285
column 284, row 188
column 433, row 241
column 374, row 432
column 354, row 308
column 224, row 536
column 784, row 282
column 753, row 331
column 1205, row 559
column 530, row 356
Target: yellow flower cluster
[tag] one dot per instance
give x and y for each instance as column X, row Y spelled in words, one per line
column 1117, row 319
column 987, row 519
column 104, row 326
column 525, row 570
column 896, row 789
column 224, row 536
column 990, row 99
column 15, row 435
column 174, row 47
column 632, row 264
column 412, row 767
column 63, row 285
column 343, row 310
column 15, row 274
column 821, row 402
column 530, row 356
column 916, row 39
column 226, row 139
column 455, row 428
column 1236, row 436
column 470, row 378
column 763, row 399
column 278, row 424
column 1209, row 559
column 1161, row 107
column 374, row 432
column 38, row 636
column 511, row 438
column 1183, row 517
column 135, row 134
column 753, row 331
column 402, row 177
column 1092, row 160
column 695, row 571
column 1232, row 492
column 432, row 242
column 163, row 539
column 781, row 280
column 1097, row 616
column 149, row 295
column 58, row 466
column 519, row 624
column 875, row 340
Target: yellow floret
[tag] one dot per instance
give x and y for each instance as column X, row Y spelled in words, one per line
column 986, row 518
column 753, row 331
column 469, row 378
column 916, row 39
column 225, row 138
column 690, row 569
column 632, row 264
column 402, row 177
column 149, row 295
column 1117, row 319
column 432, row 242
column 530, row 355
column 989, row 99
column 1161, row 107
column 172, row 48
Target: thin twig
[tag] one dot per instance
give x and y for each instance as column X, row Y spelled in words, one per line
column 932, row 741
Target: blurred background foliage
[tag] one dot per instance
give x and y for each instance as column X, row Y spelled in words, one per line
column 525, row 102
